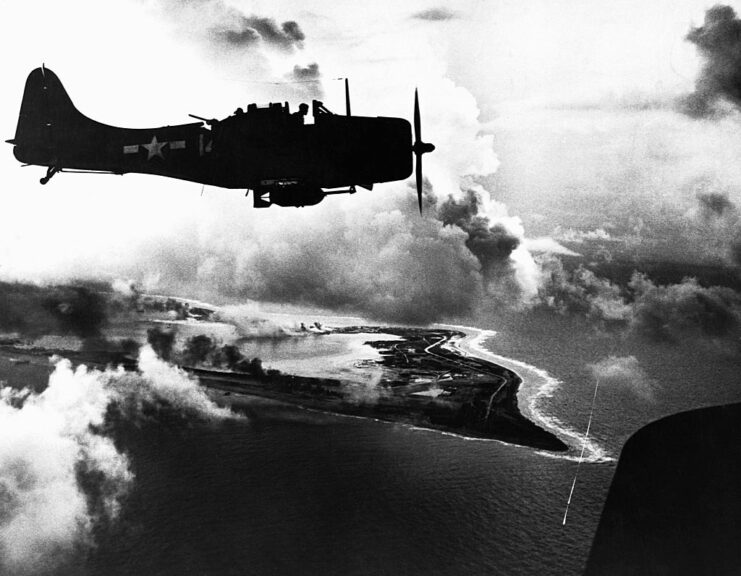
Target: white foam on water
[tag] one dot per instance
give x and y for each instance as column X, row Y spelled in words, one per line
column 537, row 386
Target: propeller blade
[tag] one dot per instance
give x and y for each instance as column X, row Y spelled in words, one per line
column 418, row 173
column 419, row 148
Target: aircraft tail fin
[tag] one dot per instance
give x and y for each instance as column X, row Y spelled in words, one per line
column 46, row 112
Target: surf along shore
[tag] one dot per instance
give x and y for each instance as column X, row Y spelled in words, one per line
column 421, row 379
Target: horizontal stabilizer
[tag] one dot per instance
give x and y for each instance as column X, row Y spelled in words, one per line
column 366, row 186
column 11, row 141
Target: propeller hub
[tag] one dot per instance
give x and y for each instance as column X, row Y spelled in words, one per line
column 420, row 148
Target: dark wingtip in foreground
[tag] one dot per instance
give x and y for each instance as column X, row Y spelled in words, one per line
column 674, row 506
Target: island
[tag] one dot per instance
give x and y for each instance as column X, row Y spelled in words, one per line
column 425, row 381
column 419, row 377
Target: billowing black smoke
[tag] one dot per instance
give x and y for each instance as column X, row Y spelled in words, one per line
column 491, row 242
column 719, row 43
column 79, row 310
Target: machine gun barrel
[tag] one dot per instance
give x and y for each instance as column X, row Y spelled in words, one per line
column 202, row 119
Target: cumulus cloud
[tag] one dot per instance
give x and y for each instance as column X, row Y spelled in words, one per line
column 624, row 372
column 252, row 44
column 236, row 30
column 719, row 42
column 685, row 309
column 668, row 312
column 384, row 262
column 226, row 26
column 60, row 471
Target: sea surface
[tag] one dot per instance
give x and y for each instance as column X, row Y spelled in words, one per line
column 290, row 491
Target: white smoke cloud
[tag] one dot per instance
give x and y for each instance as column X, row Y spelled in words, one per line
column 162, row 382
column 368, row 391
column 47, row 440
column 250, row 322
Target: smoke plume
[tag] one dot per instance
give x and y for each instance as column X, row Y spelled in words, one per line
column 60, row 471
column 497, row 241
column 250, row 323
column 76, row 309
column 719, row 42
column 714, row 204
column 369, row 391
column 47, row 438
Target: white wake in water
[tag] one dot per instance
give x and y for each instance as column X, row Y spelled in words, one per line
column 537, row 386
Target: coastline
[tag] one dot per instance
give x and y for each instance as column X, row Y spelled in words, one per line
column 429, row 381
column 427, row 384
column 537, row 386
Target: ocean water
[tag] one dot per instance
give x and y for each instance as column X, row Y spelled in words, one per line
column 295, row 492
column 290, row 491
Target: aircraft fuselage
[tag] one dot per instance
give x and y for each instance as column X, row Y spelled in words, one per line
column 266, row 150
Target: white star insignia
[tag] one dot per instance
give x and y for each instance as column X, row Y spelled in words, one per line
column 154, row 148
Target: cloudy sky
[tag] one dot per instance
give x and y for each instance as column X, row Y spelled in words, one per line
column 559, row 125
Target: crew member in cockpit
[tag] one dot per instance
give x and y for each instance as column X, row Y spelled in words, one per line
column 303, row 110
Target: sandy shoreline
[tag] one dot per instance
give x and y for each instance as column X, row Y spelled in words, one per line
column 459, row 347
column 537, row 385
